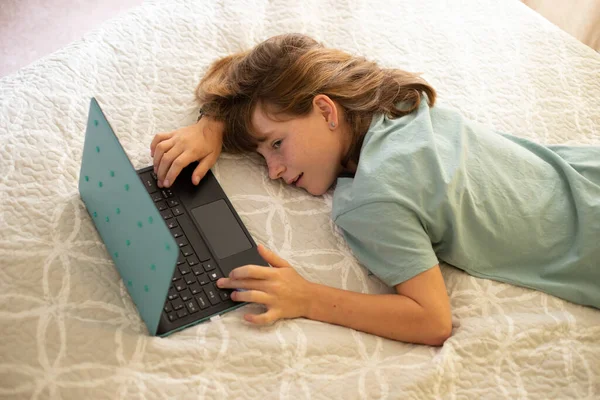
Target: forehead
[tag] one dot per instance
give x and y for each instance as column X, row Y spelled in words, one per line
column 264, row 122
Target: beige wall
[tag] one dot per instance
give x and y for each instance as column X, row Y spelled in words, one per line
column 580, row 18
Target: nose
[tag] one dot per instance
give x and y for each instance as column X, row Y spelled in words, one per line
column 276, row 169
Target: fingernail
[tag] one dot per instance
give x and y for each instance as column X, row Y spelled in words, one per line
column 220, row 282
column 166, row 183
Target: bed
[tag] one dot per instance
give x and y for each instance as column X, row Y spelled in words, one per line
column 70, row 331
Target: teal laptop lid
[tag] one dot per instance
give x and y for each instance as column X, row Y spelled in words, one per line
column 135, row 235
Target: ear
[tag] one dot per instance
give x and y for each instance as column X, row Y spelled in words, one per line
column 327, row 108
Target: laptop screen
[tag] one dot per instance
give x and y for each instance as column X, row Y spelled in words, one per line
column 135, row 235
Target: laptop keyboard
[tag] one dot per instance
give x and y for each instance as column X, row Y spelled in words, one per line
column 193, row 287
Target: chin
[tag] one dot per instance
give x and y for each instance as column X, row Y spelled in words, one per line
column 319, row 188
column 317, row 191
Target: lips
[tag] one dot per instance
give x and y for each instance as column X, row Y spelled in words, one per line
column 295, row 181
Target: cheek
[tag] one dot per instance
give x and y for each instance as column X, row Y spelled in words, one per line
column 273, row 160
column 287, row 155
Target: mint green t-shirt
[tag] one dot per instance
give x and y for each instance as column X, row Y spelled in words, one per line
column 432, row 186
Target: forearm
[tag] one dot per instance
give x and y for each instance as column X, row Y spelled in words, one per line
column 391, row 316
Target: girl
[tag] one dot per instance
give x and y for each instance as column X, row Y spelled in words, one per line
column 414, row 184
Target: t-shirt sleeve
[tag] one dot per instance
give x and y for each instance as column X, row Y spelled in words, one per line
column 389, row 240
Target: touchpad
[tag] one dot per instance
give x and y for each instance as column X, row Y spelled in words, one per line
column 221, row 229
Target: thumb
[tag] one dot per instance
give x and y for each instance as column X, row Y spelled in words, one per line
column 272, row 258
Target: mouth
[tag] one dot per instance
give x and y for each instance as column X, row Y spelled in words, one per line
column 295, row 181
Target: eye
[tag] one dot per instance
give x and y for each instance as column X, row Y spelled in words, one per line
column 276, row 144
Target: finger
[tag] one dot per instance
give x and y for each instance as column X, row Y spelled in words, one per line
column 157, row 139
column 272, row 258
column 251, row 296
column 161, row 149
column 262, row 319
column 252, row 272
column 248, row 284
column 202, row 169
column 166, row 162
column 180, row 162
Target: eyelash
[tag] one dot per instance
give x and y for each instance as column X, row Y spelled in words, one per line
column 276, row 144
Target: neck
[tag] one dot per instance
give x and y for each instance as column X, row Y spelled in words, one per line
column 351, row 167
column 346, row 132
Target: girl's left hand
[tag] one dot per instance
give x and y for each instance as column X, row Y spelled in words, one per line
column 281, row 289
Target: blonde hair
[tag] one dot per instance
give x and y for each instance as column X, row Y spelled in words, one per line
column 286, row 72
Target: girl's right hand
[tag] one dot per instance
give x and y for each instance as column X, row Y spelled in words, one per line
column 175, row 150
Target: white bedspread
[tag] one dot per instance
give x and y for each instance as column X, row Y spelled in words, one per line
column 69, row 329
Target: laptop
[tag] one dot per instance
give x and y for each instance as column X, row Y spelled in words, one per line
column 169, row 245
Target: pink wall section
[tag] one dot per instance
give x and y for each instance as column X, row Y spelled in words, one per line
column 31, row 29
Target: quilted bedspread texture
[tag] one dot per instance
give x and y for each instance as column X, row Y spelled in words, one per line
column 68, row 328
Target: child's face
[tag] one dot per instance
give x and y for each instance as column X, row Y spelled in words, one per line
column 306, row 147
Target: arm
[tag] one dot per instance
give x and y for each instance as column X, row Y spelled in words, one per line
column 390, row 239
column 419, row 313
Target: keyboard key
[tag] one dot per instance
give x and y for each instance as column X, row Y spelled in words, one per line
column 202, row 301
column 180, row 259
column 179, row 285
column 172, row 316
column 211, row 293
column 166, row 214
column 208, row 266
column 176, row 275
column 176, row 232
column 195, row 288
column 203, row 279
column 182, row 313
column 168, row 307
column 173, row 202
column 167, row 193
column 172, row 294
column 156, row 197
column 181, row 241
column 191, row 305
column 190, row 279
column 214, row 275
column 149, row 183
column 161, row 205
column 185, row 295
column 177, row 211
column 194, row 237
column 187, row 251
column 184, row 269
column 224, row 294
column 197, row 270
column 153, row 175
column 172, row 223
column 193, row 260
column 177, row 304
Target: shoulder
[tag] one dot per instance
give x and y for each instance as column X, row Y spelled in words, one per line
column 392, row 156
